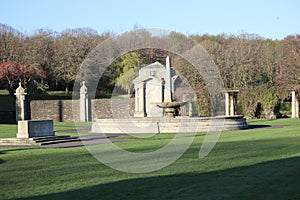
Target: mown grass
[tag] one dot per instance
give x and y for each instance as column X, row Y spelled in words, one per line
column 60, row 128
column 249, row 164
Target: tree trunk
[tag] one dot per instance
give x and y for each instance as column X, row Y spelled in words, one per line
column 129, row 92
column 269, row 114
column 11, row 91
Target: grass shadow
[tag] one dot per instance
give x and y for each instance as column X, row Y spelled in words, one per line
column 255, row 126
column 278, row 179
column 1, row 160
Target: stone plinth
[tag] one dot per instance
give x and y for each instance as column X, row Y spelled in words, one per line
column 35, row 128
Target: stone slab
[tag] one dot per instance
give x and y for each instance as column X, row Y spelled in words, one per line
column 35, row 128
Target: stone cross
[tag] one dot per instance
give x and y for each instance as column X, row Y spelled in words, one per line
column 84, row 103
column 20, row 103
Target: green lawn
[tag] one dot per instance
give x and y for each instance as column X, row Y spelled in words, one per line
column 249, row 164
column 60, row 128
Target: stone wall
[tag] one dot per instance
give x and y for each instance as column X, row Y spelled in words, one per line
column 62, row 110
column 56, row 110
column 102, row 108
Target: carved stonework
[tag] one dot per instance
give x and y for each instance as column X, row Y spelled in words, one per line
column 20, row 103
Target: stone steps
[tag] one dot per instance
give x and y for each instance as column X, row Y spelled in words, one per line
column 17, row 142
column 37, row 141
column 70, row 139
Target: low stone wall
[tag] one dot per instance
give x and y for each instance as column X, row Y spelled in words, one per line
column 56, row 110
column 62, row 110
column 102, row 108
column 169, row 125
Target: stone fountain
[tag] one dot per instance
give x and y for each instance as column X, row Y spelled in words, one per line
column 155, row 108
column 154, row 90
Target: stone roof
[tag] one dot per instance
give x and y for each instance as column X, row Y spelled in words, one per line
column 154, row 65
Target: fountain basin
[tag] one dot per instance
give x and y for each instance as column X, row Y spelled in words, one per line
column 169, row 125
column 171, row 104
column 170, row 108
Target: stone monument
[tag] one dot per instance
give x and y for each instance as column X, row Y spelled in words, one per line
column 84, row 104
column 32, row 132
column 154, row 85
column 20, row 103
column 155, row 108
column 30, row 128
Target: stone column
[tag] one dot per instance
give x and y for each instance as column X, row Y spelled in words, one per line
column 297, row 108
column 295, row 105
column 231, row 99
column 84, row 103
column 140, row 100
column 227, row 105
column 137, row 100
column 190, row 109
column 143, row 100
column 20, row 103
column 168, row 86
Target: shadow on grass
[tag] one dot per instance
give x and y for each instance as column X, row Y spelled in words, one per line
column 255, row 126
column 1, row 160
column 279, row 179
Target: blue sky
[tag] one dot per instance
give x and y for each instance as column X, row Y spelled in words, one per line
column 268, row 18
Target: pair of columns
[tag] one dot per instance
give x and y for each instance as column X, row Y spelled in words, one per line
column 231, row 97
column 230, row 102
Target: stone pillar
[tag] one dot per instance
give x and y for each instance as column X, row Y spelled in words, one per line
column 227, row 105
column 143, row 100
column 295, row 105
column 232, row 110
column 168, row 86
column 20, row 103
column 84, row 103
column 297, row 108
column 137, row 100
column 190, row 109
column 140, row 100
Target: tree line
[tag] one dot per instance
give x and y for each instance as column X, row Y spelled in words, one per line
column 262, row 69
column 59, row 55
